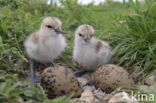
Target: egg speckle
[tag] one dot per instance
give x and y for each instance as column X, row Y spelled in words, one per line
column 110, row 76
column 59, row 81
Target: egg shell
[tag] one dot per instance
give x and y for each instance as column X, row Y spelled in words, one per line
column 110, row 76
column 59, row 81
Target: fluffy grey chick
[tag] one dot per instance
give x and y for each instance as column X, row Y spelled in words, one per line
column 88, row 51
column 46, row 44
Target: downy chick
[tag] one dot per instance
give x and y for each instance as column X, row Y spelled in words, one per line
column 46, row 44
column 88, row 51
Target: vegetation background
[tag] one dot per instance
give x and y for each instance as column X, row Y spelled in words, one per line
column 129, row 27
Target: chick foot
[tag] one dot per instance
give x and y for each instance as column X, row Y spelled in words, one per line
column 80, row 73
column 33, row 78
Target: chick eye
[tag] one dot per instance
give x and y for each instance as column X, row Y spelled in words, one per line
column 80, row 34
column 49, row 26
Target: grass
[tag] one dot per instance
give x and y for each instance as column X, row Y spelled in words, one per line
column 136, row 42
column 130, row 29
column 11, row 88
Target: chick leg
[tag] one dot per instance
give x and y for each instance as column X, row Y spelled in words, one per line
column 91, row 82
column 32, row 75
column 80, row 73
column 52, row 63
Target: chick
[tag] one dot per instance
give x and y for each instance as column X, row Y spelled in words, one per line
column 46, row 44
column 88, row 51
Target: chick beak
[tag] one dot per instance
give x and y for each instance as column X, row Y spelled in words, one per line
column 60, row 31
column 87, row 40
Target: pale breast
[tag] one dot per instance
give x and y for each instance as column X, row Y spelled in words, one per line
column 51, row 48
column 86, row 57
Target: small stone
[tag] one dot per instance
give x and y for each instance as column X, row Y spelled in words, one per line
column 87, row 95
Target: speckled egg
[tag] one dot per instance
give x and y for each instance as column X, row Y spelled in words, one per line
column 110, row 76
column 59, row 81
